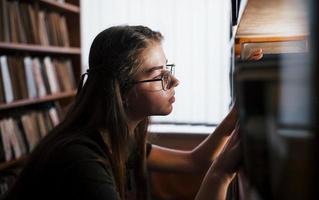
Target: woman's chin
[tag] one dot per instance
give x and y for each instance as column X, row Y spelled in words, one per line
column 165, row 112
column 169, row 110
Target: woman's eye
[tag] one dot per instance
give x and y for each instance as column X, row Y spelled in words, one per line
column 158, row 76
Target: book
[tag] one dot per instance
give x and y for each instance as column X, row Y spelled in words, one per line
column 43, row 130
column 18, row 78
column 51, row 75
column 70, row 74
column 8, row 133
column 20, row 137
column 55, row 20
column 34, row 20
column 45, row 77
column 12, row 22
column 43, row 32
column 64, row 31
column 28, row 130
column 51, row 29
column 5, row 36
column 65, row 74
column 11, row 131
column 26, row 23
column 12, row 68
column 21, row 74
column 7, row 84
column 1, row 22
column 54, row 116
column 35, row 128
column 47, row 120
column 5, row 141
column 30, row 79
column 22, row 36
column 38, row 77
column 2, row 94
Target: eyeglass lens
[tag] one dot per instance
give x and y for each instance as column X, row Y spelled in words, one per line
column 167, row 79
column 171, row 68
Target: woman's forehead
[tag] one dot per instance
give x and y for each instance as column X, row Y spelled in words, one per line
column 153, row 58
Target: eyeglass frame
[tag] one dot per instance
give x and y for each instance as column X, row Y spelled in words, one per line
column 171, row 72
column 172, row 68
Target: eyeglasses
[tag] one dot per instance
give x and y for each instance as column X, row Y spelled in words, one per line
column 166, row 78
column 171, row 68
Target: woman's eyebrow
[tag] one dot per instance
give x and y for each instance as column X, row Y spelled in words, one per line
column 149, row 70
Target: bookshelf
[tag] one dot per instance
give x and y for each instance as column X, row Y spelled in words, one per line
column 45, row 33
column 271, row 21
column 72, row 6
column 26, row 102
column 5, row 46
column 272, row 102
column 13, row 163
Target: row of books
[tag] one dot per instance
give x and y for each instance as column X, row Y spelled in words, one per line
column 27, row 77
column 23, row 22
column 19, row 135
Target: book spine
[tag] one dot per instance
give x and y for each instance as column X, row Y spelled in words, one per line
column 32, row 92
column 6, row 79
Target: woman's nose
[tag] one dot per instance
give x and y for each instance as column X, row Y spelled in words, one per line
column 175, row 81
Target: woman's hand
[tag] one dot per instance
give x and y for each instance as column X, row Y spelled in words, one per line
column 231, row 119
column 222, row 171
column 255, row 54
column 228, row 162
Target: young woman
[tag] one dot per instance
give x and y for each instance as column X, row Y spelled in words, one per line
column 100, row 150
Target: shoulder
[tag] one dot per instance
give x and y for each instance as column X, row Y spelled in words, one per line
column 81, row 150
column 87, row 169
column 83, row 161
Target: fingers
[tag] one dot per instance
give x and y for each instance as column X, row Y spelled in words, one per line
column 229, row 161
column 233, row 139
column 256, row 54
column 235, row 133
column 257, row 51
column 256, row 57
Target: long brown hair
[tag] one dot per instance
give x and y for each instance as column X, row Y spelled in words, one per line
column 115, row 56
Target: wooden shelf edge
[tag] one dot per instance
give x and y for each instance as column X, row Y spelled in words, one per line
column 24, row 102
column 39, row 48
column 61, row 6
column 272, row 37
column 239, row 40
column 8, row 164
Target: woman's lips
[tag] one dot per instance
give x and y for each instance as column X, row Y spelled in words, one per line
column 172, row 99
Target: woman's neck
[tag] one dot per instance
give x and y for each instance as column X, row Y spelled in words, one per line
column 132, row 124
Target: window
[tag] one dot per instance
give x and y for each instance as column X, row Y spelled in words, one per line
column 196, row 39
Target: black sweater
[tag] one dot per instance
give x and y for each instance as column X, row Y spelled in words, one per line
column 79, row 170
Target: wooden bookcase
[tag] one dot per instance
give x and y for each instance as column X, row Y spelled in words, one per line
column 271, row 21
column 70, row 9
column 267, row 95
